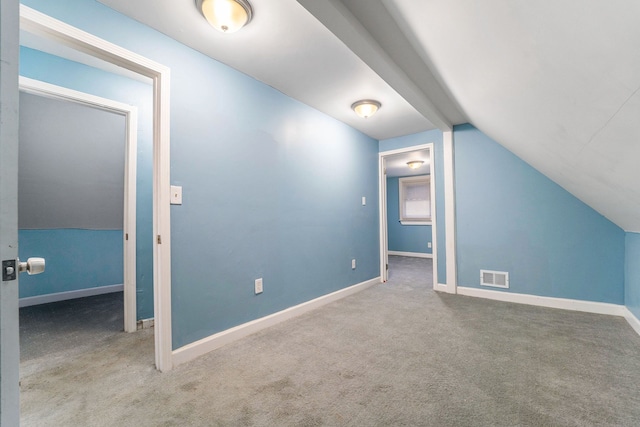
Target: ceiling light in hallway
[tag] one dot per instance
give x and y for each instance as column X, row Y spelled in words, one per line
column 227, row 16
column 366, row 107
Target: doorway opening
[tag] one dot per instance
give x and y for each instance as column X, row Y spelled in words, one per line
column 60, row 33
column 86, row 189
column 407, row 207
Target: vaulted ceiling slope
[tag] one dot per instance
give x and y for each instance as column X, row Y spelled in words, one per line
column 557, row 83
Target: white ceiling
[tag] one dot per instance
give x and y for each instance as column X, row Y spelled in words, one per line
column 396, row 164
column 555, row 82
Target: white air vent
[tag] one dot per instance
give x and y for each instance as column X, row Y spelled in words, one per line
column 496, row 279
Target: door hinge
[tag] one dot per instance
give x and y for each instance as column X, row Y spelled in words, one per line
column 126, row 236
column 159, row 240
column 387, row 267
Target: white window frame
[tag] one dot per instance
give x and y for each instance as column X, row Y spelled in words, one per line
column 426, row 179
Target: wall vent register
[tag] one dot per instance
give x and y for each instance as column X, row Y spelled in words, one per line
column 495, row 279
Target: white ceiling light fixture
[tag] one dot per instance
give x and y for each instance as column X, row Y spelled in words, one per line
column 366, row 107
column 415, row 164
column 227, row 16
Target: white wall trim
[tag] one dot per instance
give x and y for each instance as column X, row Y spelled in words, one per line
column 440, row 287
column 450, row 211
column 52, row 29
column 205, row 345
column 550, row 302
column 63, row 296
column 434, row 215
column 632, row 320
column 407, row 149
column 411, row 254
column 130, row 113
column 145, row 323
column 382, row 213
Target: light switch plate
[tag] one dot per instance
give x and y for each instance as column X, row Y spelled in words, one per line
column 364, row 201
column 176, row 195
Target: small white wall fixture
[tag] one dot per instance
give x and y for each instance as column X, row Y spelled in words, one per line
column 382, row 185
column 40, row 24
column 130, row 113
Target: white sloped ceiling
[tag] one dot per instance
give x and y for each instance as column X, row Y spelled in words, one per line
column 555, row 82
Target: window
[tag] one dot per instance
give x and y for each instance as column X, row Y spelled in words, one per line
column 415, row 200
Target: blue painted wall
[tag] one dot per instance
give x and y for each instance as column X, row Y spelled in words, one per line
column 509, row 217
column 76, row 259
column 271, row 187
column 435, row 137
column 51, row 69
column 632, row 273
column 404, row 238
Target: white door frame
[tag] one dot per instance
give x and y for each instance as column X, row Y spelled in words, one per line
column 449, row 213
column 384, row 244
column 384, row 235
column 58, row 31
column 130, row 113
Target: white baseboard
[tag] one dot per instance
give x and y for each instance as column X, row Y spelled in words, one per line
column 440, row 287
column 62, row 296
column 411, row 254
column 551, row 302
column 145, row 323
column 632, row 320
column 205, row 345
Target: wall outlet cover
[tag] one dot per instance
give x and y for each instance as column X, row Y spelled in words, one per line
column 176, row 195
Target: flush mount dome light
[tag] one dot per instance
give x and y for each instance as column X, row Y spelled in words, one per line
column 227, row 16
column 415, row 164
column 366, row 108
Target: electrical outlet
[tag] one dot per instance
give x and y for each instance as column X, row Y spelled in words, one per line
column 429, row 245
column 353, row 264
column 258, row 286
column 364, row 201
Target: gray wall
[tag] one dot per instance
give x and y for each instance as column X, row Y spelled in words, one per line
column 71, row 165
